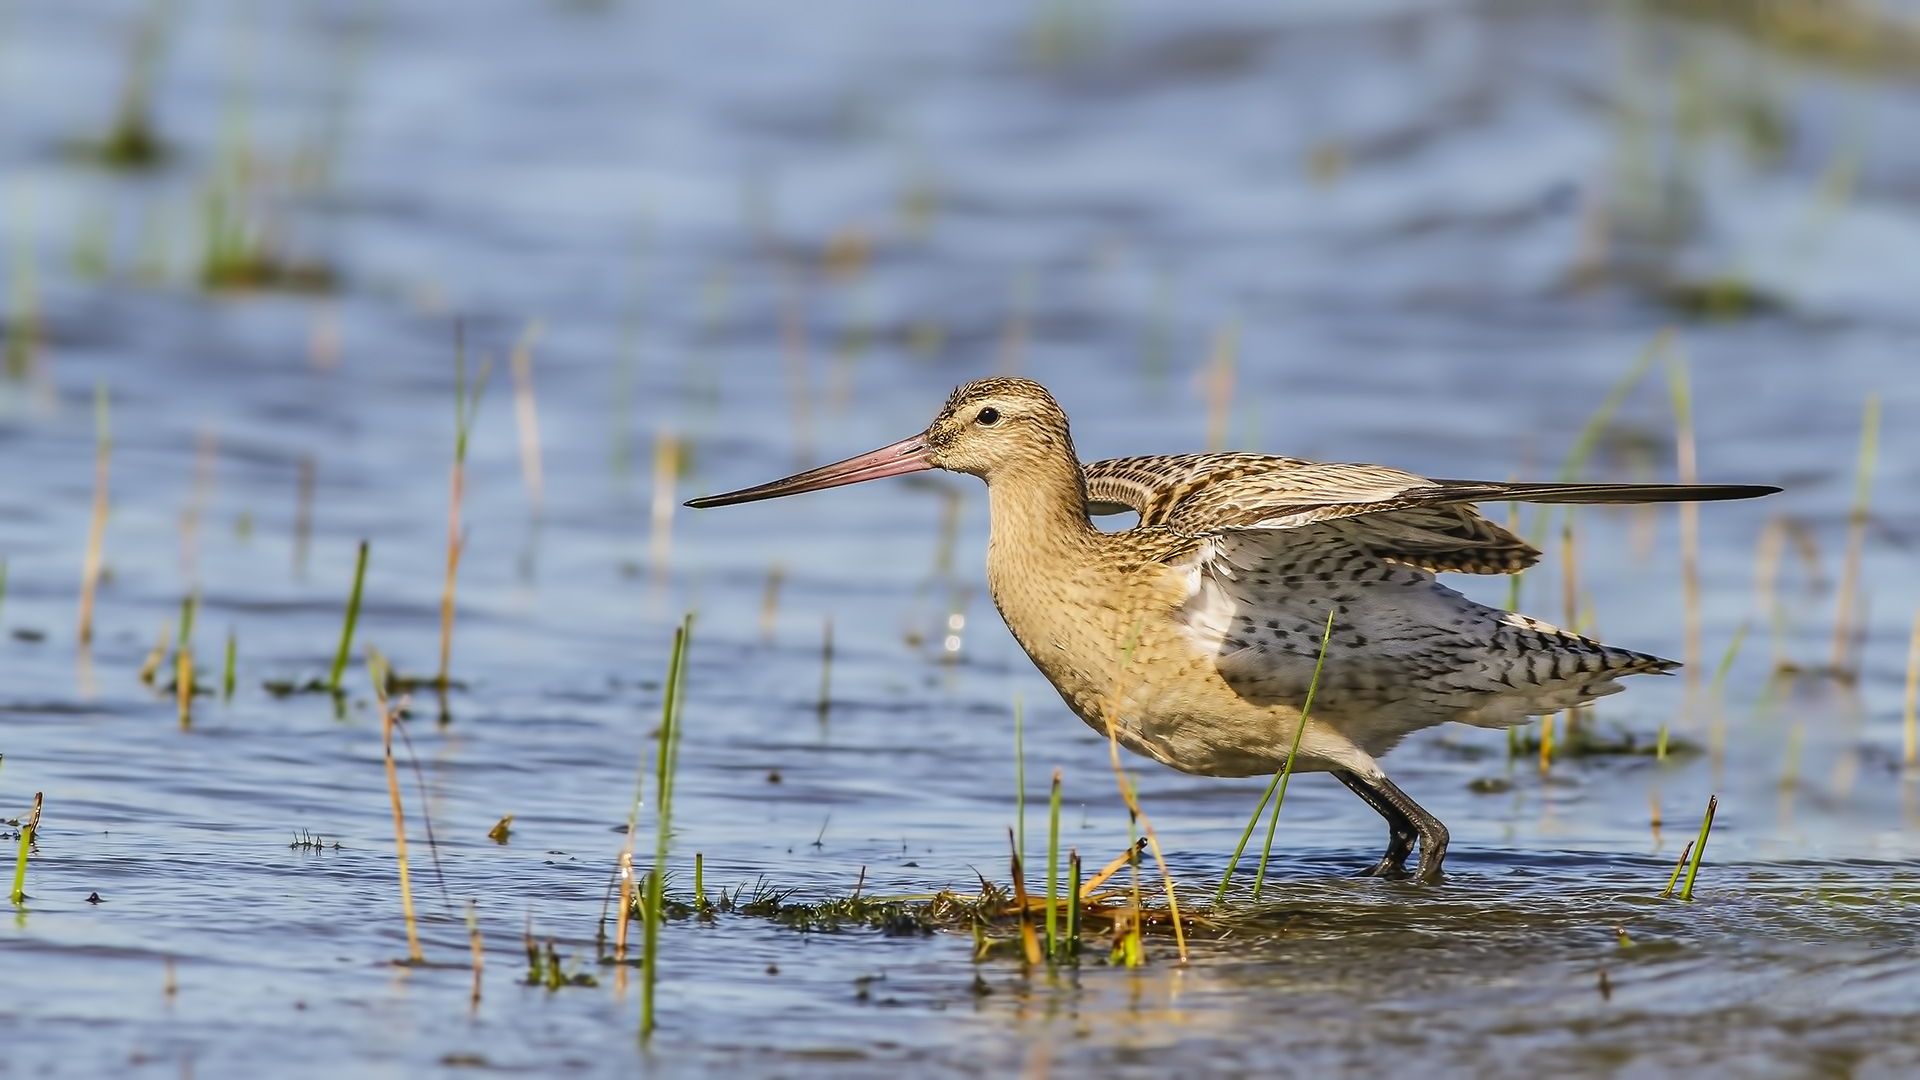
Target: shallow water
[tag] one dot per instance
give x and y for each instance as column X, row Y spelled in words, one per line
column 783, row 240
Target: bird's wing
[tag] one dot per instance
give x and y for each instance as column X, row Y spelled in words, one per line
column 1397, row 515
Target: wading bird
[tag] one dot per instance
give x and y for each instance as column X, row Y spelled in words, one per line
column 1217, row 603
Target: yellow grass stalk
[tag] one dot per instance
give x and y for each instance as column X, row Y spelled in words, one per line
column 377, row 668
column 1126, row 791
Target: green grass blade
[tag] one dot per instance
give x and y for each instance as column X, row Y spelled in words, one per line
column 665, row 763
column 1071, row 946
column 1674, row 878
column 353, row 616
column 27, row 831
column 1278, row 784
column 1700, row 847
column 1286, row 774
column 226, row 674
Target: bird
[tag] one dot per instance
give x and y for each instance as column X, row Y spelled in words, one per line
column 1193, row 637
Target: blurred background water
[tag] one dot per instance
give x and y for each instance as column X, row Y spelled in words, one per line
column 732, row 240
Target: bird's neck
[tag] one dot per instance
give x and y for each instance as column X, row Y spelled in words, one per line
column 1039, row 512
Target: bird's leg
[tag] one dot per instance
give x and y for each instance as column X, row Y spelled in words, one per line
column 1406, row 822
column 1400, row 830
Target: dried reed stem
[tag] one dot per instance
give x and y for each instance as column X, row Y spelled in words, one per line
column 479, row 950
column 1029, row 940
column 378, row 670
column 1126, row 790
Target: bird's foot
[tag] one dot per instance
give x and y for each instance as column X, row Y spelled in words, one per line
column 1388, row 867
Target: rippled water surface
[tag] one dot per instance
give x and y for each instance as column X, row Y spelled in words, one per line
column 738, row 239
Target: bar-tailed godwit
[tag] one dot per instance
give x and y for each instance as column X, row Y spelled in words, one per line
column 1217, row 601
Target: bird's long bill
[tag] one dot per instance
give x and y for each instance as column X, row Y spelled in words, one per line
column 905, row 456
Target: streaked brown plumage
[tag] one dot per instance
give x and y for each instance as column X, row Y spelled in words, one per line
column 1196, row 632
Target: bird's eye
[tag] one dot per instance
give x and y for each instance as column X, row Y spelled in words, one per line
column 987, row 417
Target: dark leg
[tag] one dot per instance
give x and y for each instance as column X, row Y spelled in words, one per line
column 1400, row 830
column 1406, row 822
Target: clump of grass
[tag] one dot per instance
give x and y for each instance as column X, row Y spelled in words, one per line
column 132, row 141
column 1592, row 741
column 96, row 529
column 545, row 968
column 377, row 670
column 1278, row 785
column 893, row 917
column 241, row 255
column 1726, row 296
column 1856, row 35
column 306, row 841
column 27, row 833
